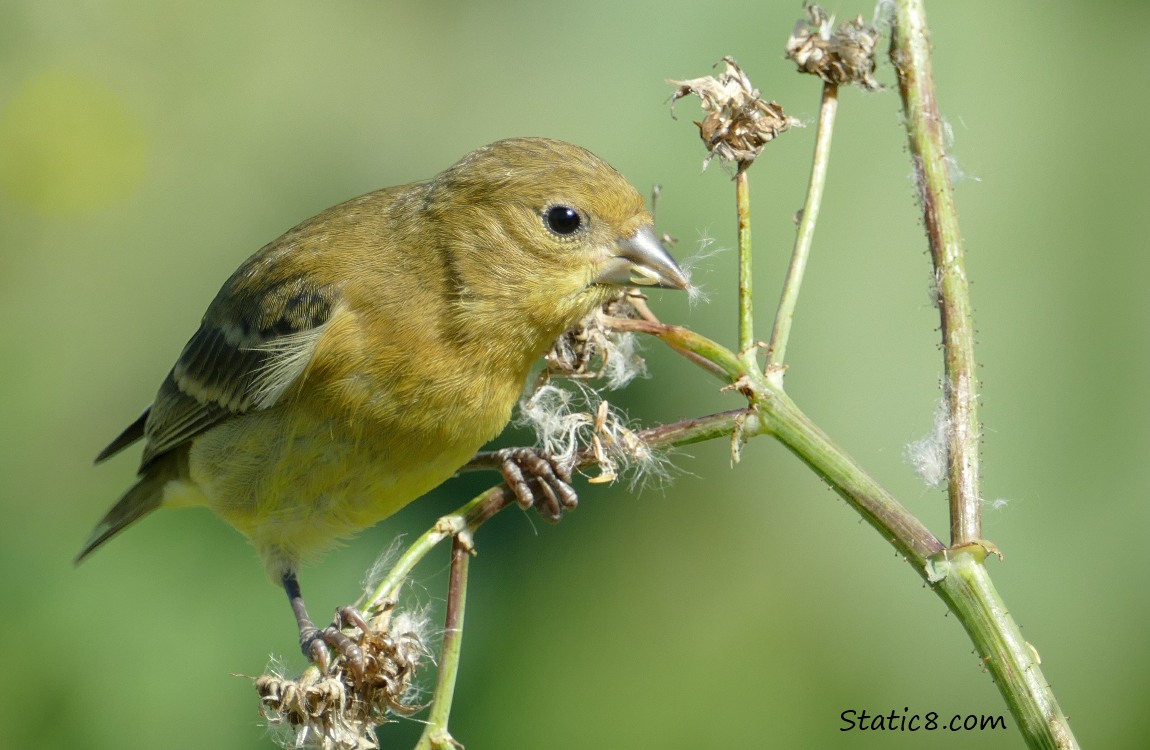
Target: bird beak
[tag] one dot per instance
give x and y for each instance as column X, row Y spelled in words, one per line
column 640, row 260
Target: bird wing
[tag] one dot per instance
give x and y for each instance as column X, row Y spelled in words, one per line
column 251, row 346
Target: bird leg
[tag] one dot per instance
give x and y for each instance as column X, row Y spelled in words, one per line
column 552, row 493
column 315, row 643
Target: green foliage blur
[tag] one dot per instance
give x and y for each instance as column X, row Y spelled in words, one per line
column 147, row 148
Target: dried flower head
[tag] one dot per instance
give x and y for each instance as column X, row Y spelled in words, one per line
column 591, row 350
column 739, row 122
column 336, row 711
column 846, row 55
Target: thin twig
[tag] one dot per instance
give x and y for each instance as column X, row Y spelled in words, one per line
column 910, row 53
column 959, row 575
column 700, row 350
column 435, row 734
column 784, row 316
column 746, row 316
column 445, row 528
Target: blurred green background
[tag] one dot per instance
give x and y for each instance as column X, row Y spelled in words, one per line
column 147, row 148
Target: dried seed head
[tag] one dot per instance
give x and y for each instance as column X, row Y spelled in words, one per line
column 738, row 121
column 337, row 711
column 844, row 56
column 593, row 351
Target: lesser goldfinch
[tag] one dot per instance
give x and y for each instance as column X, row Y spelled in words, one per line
column 360, row 359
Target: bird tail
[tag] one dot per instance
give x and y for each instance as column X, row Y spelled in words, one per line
column 131, row 434
column 144, row 497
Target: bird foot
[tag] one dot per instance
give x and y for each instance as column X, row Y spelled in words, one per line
column 318, row 644
column 550, row 494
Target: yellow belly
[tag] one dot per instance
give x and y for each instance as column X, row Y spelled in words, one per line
column 294, row 484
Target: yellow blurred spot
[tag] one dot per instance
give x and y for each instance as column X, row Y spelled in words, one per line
column 68, row 145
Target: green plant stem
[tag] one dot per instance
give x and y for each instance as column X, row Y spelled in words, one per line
column 784, row 316
column 965, row 585
column 435, row 734
column 690, row 431
column 910, row 53
column 959, row 575
column 746, row 317
column 713, row 357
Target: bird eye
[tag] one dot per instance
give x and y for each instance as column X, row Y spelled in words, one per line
column 563, row 220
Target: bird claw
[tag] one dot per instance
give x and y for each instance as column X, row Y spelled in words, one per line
column 318, row 644
column 552, row 492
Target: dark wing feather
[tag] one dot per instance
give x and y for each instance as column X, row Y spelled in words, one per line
column 252, row 345
column 249, row 350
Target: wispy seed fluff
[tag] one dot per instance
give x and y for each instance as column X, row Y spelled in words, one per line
column 572, row 422
column 927, row 456
column 704, row 251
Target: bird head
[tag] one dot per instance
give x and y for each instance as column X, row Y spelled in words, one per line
column 540, row 232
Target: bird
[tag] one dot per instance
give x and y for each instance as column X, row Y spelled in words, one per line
column 360, row 359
